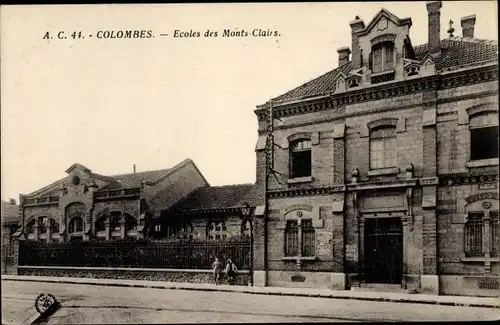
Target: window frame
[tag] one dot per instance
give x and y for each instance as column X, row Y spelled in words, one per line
column 295, row 231
column 294, row 156
column 383, row 46
column 221, row 234
column 384, row 140
column 478, row 121
column 71, row 224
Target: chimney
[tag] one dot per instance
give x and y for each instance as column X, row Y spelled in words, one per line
column 343, row 55
column 434, row 26
column 134, row 168
column 468, row 23
column 12, row 201
column 356, row 25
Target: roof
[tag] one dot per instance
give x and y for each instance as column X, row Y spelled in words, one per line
column 220, row 197
column 455, row 52
column 10, row 213
column 134, row 179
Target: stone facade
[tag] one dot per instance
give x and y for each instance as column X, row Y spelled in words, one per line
column 393, row 210
column 85, row 205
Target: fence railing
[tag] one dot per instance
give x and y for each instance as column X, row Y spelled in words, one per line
column 176, row 254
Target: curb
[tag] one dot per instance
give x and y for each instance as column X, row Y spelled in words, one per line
column 310, row 295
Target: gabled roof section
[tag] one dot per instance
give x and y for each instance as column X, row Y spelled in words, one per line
column 383, row 13
column 151, row 177
column 220, row 197
column 78, row 166
column 455, row 52
column 10, row 213
column 324, row 84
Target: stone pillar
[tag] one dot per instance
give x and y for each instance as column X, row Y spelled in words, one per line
column 49, row 231
column 430, row 278
column 15, row 262
column 36, row 228
column 259, row 271
column 122, row 225
column 107, row 227
column 361, row 248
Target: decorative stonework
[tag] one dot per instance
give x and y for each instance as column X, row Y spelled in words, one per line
column 482, row 196
column 467, row 178
column 459, row 79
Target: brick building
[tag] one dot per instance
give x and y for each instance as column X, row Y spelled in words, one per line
column 85, row 205
column 388, row 166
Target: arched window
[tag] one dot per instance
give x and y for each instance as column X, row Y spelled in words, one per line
column 130, row 223
column 54, row 226
column 42, row 225
column 217, row 230
column 383, row 147
column 300, row 158
column 100, row 224
column 75, row 225
column 483, row 136
column 115, row 221
column 30, row 227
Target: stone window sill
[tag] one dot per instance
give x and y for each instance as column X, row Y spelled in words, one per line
column 299, row 258
column 383, row 171
column 482, row 163
column 381, row 73
column 480, row 259
column 298, row 180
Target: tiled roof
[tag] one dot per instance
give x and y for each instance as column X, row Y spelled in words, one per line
column 455, row 52
column 461, row 51
column 9, row 213
column 322, row 85
column 134, row 179
column 220, row 197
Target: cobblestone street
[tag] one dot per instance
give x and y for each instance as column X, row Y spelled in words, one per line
column 84, row 304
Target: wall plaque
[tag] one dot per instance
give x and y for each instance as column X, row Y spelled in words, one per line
column 488, row 284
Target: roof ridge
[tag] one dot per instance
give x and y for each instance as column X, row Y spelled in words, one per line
column 230, row 185
column 142, row 172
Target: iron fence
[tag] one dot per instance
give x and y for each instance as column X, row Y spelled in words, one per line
column 177, row 254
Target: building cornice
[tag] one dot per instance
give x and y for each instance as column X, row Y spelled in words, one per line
column 383, row 91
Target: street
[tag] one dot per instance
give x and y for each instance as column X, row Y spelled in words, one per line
column 86, row 304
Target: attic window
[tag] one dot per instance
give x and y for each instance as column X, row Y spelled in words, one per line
column 413, row 71
column 353, row 83
column 382, row 57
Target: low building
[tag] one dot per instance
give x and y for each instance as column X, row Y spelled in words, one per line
column 85, row 205
column 386, row 166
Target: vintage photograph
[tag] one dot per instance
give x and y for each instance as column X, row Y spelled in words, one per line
column 249, row 162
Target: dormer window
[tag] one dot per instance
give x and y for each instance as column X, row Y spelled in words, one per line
column 354, row 82
column 412, row 71
column 382, row 57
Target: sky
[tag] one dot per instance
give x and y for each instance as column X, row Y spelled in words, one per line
column 111, row 103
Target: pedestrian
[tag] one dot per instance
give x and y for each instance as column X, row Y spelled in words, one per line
column 217, row 269
column 231, row 270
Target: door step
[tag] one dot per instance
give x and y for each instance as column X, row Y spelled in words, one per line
column 381, row 287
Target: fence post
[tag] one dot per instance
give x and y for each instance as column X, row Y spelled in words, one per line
column 15, row 258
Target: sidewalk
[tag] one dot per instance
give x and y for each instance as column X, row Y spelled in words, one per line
column 279, row 291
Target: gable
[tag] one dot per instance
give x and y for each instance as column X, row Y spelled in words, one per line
column 384, row 21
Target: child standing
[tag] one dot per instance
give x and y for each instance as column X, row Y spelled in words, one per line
column 217, row 269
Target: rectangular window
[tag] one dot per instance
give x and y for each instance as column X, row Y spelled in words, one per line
column 484, row 143
column 474, row 235
column 308, row 238
column 291, row 238
column 42, row 225
column 383, row 148
column 495, row 233
column 377, row 59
